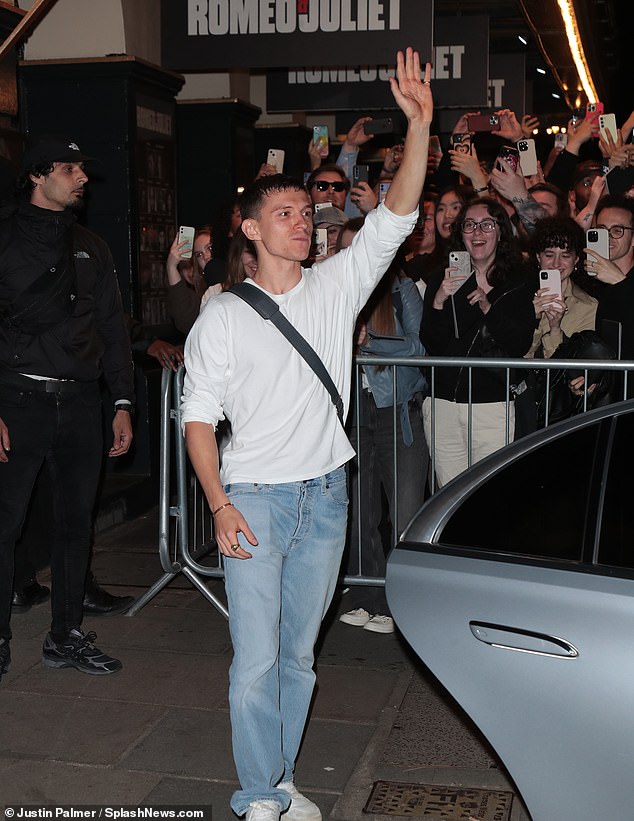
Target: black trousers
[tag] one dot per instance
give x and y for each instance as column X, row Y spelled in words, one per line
column 61, row 433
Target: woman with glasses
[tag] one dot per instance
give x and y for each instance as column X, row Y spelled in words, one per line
column 185, row 278
column 486, row 311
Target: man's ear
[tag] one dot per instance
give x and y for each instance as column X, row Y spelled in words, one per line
column 250, row 229
column 35, row 178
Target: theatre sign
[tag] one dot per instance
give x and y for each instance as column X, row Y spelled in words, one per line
column 205, row 35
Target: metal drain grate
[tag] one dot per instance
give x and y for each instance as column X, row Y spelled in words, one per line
column 438, row 802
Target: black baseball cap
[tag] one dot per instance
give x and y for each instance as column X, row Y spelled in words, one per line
column 51, row 148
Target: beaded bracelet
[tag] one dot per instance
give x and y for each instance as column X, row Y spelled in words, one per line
column 218, row 509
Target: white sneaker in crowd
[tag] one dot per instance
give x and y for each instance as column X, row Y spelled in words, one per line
column 301, row 808
column 263, row 811
column 357, row 618
column 380, row 624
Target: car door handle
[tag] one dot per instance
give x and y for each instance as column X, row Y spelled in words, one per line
column 522, row 641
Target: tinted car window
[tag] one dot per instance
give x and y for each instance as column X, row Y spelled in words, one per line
column 536, row 506
column 616, row 543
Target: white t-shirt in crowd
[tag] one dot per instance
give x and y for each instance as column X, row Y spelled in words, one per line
column 240, row 367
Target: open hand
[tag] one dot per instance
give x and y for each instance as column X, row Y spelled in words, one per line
column 412, row 95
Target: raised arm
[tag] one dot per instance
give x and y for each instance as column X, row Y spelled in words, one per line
column 413, row 96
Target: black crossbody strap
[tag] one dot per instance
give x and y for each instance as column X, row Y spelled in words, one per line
column 269, row 309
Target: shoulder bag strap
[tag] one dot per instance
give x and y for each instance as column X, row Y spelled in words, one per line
column 269, row 309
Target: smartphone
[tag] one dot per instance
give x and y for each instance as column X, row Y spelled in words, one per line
column 561, row 140
column 360, row 173
column 320, row 239
column 578, row 114
column 598, row 240
column 276, row 159
column 618, row 180
column 550, row 280
column 462, row 261
column 510, row 155
column 320, row 138
column 461, row 142
column 384, row 187
column 381, row 126
column 528, row 157
column 592, row 109
column 186, row 235
column 483, row 122
column 607, row 122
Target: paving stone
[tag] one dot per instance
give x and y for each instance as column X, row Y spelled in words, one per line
column 54, row 782
column 71, row 728
column 192, row 743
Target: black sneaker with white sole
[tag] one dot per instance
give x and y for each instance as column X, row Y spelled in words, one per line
column 78, row 651
column 5, row 657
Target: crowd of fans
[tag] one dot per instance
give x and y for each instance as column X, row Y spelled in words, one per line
column 466, row 283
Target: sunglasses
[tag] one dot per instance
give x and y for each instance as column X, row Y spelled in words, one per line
column 324, row 185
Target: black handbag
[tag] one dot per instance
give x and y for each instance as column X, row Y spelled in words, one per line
column 562, row 403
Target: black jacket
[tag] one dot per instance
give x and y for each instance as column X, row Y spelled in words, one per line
column 60, row 307
column 505, row 331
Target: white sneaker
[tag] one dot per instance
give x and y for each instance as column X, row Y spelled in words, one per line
column 380, row 624
column 357, row 618
column 301, row 808
column 263, row 811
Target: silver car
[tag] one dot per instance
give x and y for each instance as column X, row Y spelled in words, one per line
column 515, row 586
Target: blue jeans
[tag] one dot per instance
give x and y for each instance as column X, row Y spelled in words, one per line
column 277, row 600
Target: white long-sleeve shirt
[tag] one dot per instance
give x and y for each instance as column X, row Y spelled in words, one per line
column 240, row 367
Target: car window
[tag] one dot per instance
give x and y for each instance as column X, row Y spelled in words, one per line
column 616, row 542
column 536, row 506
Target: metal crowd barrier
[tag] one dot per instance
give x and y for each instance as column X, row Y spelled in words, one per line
column 186, row 527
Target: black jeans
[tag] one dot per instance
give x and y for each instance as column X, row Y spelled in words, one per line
column 62, row 432
column 375, row 468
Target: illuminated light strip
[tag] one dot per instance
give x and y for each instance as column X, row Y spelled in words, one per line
column 576, row 49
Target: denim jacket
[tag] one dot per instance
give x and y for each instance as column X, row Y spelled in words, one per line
column 408, row 312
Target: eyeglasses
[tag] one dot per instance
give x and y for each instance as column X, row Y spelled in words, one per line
column 616, row 231
column 324, row 185
column 207, row 249
column 486, row 226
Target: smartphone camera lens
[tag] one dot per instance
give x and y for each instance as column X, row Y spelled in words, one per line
column 522, row 145
column 543, row 274
column 593, row 236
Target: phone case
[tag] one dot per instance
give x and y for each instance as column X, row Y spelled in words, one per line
column 483, row 122
column 186, row 234
column 360, row 173
column 320, row 138
column 550, row 280
column 607, row 122
column 528, row 157
column 321, row 242
column 384, row 187
column 593, row 108
column 380, row 126
column 462, row 261
column 598, row 240
column 276, row 158
column 509, row 155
